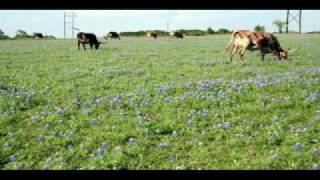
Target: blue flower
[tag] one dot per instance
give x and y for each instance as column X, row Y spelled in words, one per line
column 60, row 111
column 163, row 145
column 103, row 146
column 131, row 141
column 13, row 158
column 189, row 123
column 171, row 157
column 316, row 167
column 318, row 120
column 298, row 147
column 99, row 153
column 41, row 138
column 47, row 127
column 259, row 84
column 225, row 126
column 70, row 146
column 61, row 121
column 94, row 122
column 117, row 99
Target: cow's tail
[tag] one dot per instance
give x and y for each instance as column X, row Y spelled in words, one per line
column 231, row 42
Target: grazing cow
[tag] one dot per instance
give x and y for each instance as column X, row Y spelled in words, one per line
column 113, row 35
column 243, row 40
column 87, row 38
column 152, row 35
column 176, row 34
column 38, row 35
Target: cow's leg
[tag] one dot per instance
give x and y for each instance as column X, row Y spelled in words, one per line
column 232, row 53
column 91, row 45
column 84, row 46
column 262, row 56
column 242, row 52
column 78, row 45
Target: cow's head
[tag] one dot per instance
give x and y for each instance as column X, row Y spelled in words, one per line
column 97, row 45
column 283, row 55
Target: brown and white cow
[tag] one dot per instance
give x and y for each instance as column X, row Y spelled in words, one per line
column 243, row 40
column 152, row 35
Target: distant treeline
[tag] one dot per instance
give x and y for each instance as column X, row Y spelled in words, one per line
column 21, row 34
column 189, row 32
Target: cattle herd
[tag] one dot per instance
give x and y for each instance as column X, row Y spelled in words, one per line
column 241, row 40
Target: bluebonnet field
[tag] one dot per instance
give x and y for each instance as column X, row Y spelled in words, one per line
column 168, row 103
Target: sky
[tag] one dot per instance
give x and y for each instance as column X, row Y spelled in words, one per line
column 100, row 22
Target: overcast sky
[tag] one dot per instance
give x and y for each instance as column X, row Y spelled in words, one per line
column 102, row 21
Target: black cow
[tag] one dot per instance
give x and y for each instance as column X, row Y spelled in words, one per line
column 178, row 35
column 38, row 35
column 113, row 35
column 87, row 38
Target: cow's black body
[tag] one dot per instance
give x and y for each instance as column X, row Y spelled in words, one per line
column 38, row 35
column 113, row 35
column 87, row 38
column 178, row 35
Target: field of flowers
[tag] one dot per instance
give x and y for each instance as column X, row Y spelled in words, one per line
column 140, row 103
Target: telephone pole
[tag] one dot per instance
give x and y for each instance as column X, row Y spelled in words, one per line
column 69, row 20
column 291, row 17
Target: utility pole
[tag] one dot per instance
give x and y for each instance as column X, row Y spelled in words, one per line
column 69, row 19
column 291, row 17
column 64, row 25
column 168, row 26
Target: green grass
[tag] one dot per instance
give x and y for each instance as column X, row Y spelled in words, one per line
column 179, row 92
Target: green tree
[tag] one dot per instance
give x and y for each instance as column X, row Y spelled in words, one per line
column 210, row 31
column 1, row 33
column 280, row 24
column 259, row 28
column 21, row 33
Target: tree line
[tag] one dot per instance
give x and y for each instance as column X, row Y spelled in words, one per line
column 21, row 34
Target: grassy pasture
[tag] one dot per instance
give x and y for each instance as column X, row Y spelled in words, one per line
column 139, row 103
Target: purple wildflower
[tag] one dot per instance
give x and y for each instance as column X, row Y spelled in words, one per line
column 298, row 147
column 103, row 146
column 189, row 123
column 94, row 122
column 163, row 145
column 41, row 138
column 316, row 167
column 47, row 127
column 171, row 157
column 99, row 153
column 13, row 158
column 131, row 141
column 60, row 111
column 69, row 146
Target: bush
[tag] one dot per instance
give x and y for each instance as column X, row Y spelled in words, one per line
column 3, row 36
column 210, row 31
column 223, row 31
column 193, row 32
column 259, row 28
